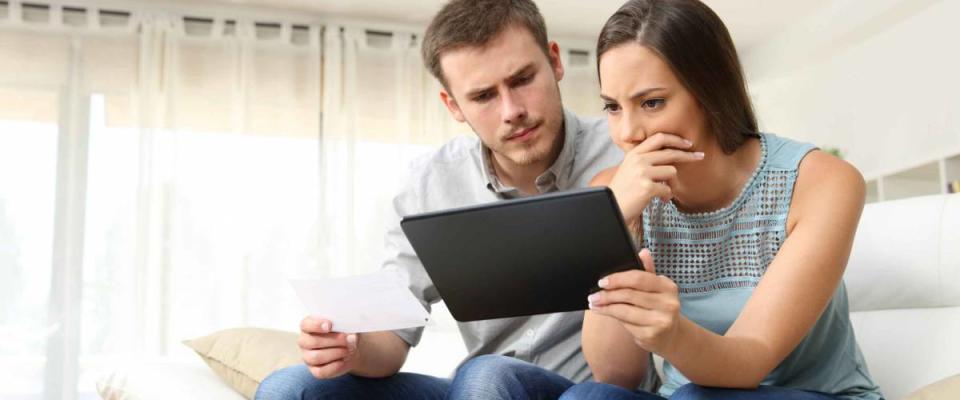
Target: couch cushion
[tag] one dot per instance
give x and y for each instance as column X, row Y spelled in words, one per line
column 910, row 348
column 164, row 379
column 243, row 357
column 906, row 255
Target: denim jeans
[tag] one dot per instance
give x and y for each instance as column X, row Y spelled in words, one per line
column 484, row 377
column 498, row 377
column 296, row 383
column 593, row 390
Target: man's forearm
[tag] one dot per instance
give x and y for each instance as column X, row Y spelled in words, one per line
column 379, row 354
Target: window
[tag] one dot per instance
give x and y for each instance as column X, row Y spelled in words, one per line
column 28, row 173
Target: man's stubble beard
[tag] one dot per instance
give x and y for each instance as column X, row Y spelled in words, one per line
column 525, row 155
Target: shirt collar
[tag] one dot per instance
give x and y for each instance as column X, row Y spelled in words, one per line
column 556, row 177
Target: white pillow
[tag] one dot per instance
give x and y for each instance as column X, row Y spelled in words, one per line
column 163, row 379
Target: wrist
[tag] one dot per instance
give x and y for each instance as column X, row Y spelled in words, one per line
column 633, row 211
column 676, row 339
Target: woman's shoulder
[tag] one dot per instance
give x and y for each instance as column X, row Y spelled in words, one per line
column 784, row 153
column 821, row 172
column 825, row 181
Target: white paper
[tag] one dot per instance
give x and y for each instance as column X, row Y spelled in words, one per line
column 363, row 303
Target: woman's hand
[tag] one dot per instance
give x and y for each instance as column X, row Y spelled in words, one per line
column 647, row 305
column 647, row 171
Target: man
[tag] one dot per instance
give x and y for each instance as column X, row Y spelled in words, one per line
column 499, row 75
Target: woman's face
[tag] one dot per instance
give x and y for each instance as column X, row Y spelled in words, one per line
column 642, row 97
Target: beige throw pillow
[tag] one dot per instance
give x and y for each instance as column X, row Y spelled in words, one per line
column 944, row 389
column 243, row 357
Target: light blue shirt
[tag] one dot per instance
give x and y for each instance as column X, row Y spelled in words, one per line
column 718, row 258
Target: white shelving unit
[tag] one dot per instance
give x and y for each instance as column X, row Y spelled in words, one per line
column 951, row 169
column 925, row 179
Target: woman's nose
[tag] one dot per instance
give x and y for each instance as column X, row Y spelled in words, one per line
column 631, row 130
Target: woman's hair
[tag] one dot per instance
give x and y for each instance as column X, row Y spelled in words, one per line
column 693, row 41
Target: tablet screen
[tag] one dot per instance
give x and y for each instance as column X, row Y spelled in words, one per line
column 530, row 256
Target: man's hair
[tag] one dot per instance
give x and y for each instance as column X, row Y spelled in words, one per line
column 468, row 23
column 693, row 40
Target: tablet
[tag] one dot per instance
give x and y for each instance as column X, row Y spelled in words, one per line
column 537, row 255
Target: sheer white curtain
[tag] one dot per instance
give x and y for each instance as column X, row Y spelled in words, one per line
column 381, row 110
column 205, row 198
column 159, row 177
column 49, row 68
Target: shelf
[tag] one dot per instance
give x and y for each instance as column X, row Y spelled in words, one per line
column 873, row 191
column 951, row 169
column 920, row 181
column 929, row 177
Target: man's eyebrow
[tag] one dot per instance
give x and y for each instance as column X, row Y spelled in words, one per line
column 478, row 91
column 526, row 69
column 521, row 71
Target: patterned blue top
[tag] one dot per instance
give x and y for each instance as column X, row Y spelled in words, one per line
column 717, row 259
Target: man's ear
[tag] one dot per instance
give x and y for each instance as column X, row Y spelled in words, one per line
column 555, row 61
column 452, row 105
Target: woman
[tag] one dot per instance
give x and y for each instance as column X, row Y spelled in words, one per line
column 746, row 235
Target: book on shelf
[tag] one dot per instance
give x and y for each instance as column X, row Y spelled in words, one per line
column 953, row 187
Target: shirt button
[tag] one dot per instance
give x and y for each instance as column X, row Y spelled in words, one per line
column 530, row 332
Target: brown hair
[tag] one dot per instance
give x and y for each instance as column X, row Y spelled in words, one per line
column 693, row 41
column 462, row 23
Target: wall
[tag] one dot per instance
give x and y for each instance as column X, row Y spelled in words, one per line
column 876, row 78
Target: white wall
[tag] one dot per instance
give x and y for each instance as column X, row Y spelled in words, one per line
column 876, row 78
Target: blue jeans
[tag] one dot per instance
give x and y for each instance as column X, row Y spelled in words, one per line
column 296, row 383
column 484, row 377
column 499, row 377
column 593, row 390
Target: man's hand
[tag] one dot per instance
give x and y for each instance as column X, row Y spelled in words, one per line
column 327, row 354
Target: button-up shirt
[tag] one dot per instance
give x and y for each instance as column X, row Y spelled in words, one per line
column 461, row 174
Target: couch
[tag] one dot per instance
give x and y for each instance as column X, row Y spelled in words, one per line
column 903, row 280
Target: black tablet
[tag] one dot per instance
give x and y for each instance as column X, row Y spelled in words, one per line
column 512, row 258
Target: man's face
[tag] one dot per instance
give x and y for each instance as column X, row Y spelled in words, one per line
column 507, row 91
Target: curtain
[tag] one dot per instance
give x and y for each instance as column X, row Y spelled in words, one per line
column 162, row 174
column 160, row 179
column 382, row 110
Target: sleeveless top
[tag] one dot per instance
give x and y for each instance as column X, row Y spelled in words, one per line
column 717, row 258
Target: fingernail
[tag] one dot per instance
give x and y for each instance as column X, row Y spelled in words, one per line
column 352, row 340
column 603, row 282
column 325, row 326
column 593, row 297
column 698, row 155
column 687, row 142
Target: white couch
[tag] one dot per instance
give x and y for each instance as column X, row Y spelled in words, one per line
column 903, row 280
